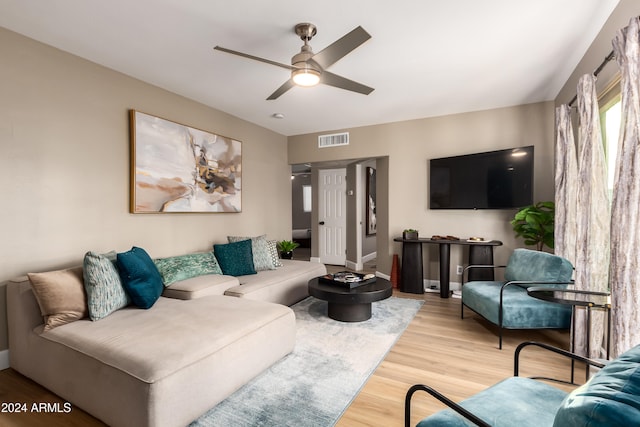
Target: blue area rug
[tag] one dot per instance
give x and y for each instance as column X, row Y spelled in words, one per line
column 314, row 384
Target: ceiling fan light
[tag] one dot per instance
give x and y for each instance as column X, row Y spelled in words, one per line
column 305, row 77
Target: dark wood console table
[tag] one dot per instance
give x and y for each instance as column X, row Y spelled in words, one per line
column 480, row 253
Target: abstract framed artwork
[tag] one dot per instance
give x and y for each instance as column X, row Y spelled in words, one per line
column 371, row 223
column 180, row 169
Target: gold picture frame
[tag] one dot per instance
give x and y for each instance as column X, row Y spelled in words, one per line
column 181, row 169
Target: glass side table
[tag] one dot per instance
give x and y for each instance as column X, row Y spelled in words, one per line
column 578, row 298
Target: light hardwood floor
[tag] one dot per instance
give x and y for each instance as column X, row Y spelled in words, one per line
column 457, row 356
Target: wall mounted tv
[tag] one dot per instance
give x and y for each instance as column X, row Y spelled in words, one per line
column 500, row 179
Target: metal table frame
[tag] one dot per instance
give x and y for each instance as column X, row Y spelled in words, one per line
column 551, row 294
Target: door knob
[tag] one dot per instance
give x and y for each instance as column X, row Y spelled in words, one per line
column 321, row 223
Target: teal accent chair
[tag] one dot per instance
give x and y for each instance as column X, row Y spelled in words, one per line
column 507, row 304
column 610, row 398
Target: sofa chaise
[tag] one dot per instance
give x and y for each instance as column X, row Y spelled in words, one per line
column 203, row 339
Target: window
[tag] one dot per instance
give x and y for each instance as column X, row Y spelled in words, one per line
column 306, row 198
column 610, row 117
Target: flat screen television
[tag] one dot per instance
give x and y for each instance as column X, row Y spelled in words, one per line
column 500, row 179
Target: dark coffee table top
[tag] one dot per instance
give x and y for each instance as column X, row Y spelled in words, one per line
column 376, row 291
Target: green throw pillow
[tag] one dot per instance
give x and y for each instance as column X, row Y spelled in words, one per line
column 174, row 269
column 262, row 260
column 102, row 283
column 235, row 259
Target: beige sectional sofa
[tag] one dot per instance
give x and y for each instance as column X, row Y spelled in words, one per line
column 167, row 365
column 285, row 285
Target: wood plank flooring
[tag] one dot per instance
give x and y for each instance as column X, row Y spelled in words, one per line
column 459, row 357
column 17, row 389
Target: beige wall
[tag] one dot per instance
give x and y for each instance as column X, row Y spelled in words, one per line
column 64, row 168
column 409, row 145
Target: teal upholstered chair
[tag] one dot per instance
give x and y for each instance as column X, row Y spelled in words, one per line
column 507, row 304
column 610, row 398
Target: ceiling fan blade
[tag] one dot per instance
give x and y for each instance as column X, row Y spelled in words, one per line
column 256, row 58
column 334, row 80
column 282, row 89
column 335, row 51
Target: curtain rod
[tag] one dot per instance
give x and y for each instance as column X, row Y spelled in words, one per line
column 607, row 59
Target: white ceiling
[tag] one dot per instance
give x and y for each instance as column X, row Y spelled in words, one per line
column 425, row 58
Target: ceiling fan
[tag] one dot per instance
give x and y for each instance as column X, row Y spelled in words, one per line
column 309, row 69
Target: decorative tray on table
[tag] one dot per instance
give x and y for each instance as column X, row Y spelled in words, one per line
column 348, row 279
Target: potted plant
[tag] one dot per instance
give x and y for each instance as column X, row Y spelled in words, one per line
column 535, row 224
column 409, row 233
column 286, row 248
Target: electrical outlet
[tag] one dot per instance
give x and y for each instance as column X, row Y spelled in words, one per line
column 459, row 270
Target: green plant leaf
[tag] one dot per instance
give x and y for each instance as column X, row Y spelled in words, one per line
column 521, row 215
column 286, row 245
column 532, row 219
column 535, row 224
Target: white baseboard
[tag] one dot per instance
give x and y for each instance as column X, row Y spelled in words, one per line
column 355, row 266
column 359, row 266
column 315, row 259
column 369, row 257
column 434, row 285
column 4, row 359
column 383, row 276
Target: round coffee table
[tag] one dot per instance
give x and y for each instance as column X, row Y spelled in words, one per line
column 350, row 305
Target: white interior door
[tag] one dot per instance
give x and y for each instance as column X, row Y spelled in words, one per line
column 332, row 216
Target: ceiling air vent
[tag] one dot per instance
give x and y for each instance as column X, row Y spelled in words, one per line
column 333, row 140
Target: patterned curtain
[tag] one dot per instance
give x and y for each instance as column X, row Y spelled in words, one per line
column 625, row 230
column 566, row 188
column 566, row 179
column 593, row 215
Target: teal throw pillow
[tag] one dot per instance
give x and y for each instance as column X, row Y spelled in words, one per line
column 235, row 259
column 174, row 269
column 102, row 283
column 260, row 249
column 609, row 398
column 140, row 277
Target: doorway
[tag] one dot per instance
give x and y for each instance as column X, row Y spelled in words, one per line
column 362, row 232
